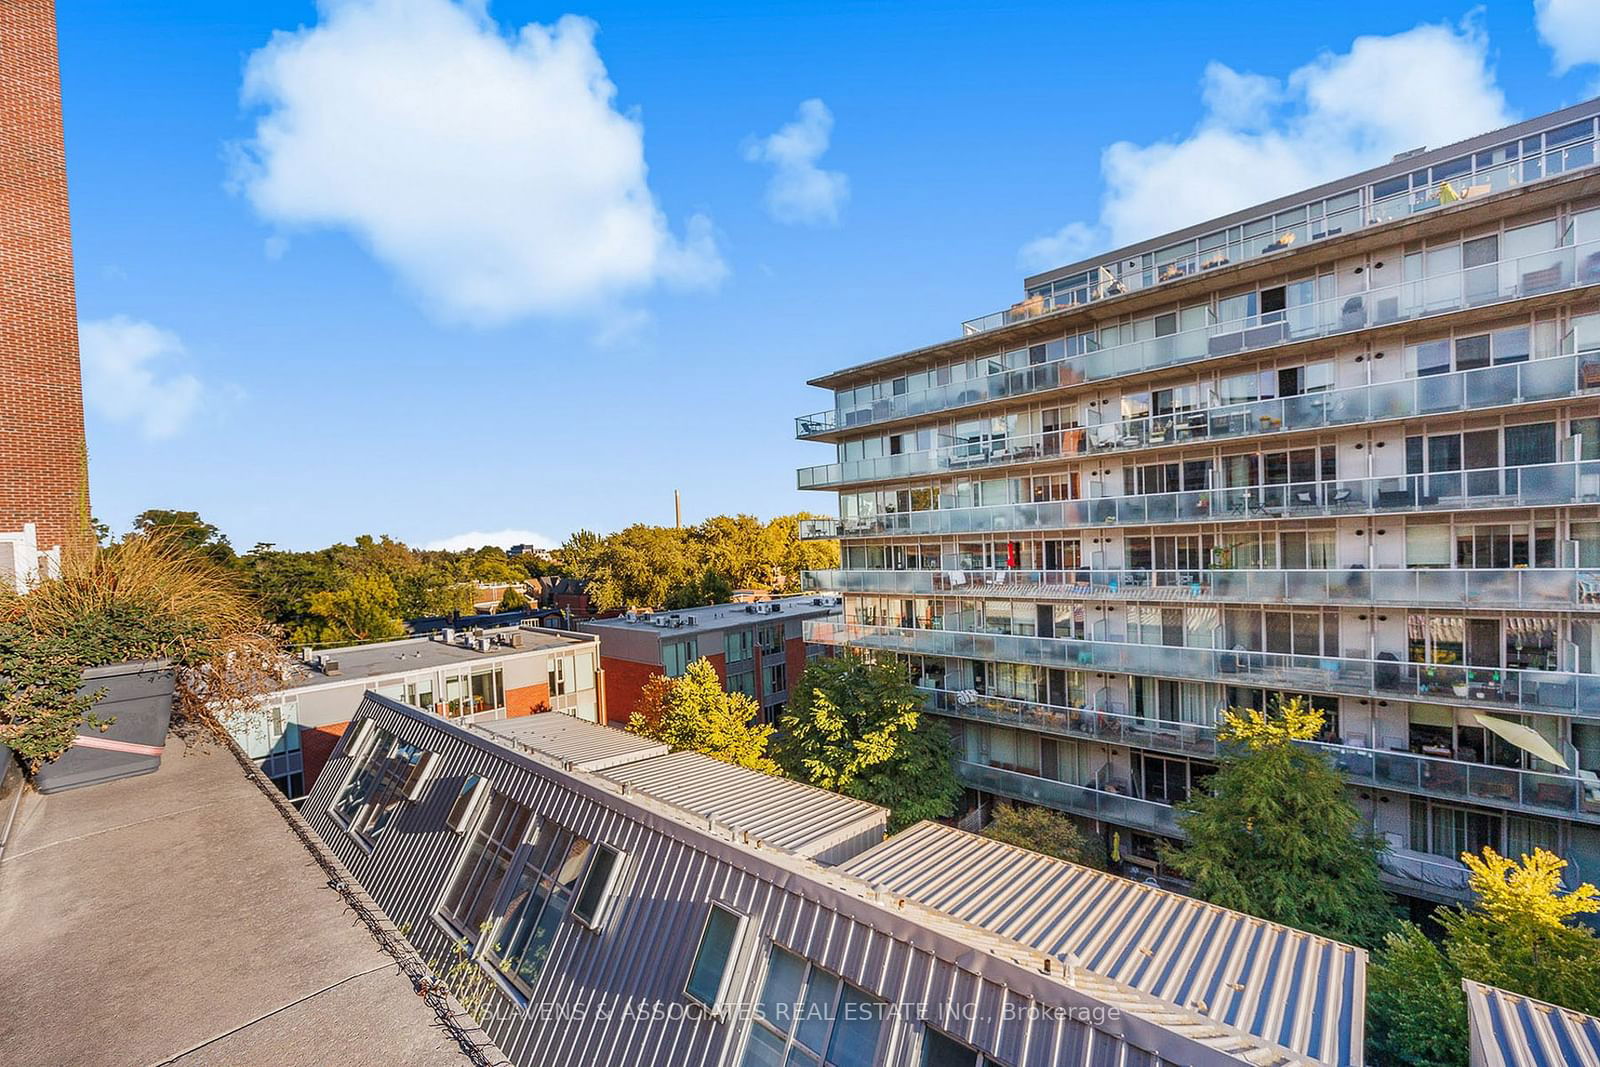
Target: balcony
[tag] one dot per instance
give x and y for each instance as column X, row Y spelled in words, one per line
column 1421, row 874
column 1521, row 588
column 1555, row 378
column 1575, row 797
column 1105, row 283
column 1493, row 488
column 1538, row 274
column 1116, row 808
column 1386, row 677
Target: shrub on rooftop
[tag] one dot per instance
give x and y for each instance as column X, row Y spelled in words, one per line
column 150, row 596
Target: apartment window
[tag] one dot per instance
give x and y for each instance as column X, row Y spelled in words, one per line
column 744, row 682
column 377, row 787
column 941, row 1051
column 538, row 900
column 737, row 646
column 808, row 1016
column 560, row 675
column 774, row 678
column 770, row 638
column 1448, row 831
column 677, row 655
column 470, row 900
column 713, row 960
column 599, row 884
column 488, row 690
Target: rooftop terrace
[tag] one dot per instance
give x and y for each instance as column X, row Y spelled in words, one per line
column 180, row 918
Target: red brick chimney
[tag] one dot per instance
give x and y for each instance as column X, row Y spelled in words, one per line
column 43, row 463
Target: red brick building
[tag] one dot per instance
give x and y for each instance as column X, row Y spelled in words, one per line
column 758, row 649
column 43, row 463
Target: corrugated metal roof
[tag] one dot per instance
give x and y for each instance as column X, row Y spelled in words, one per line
column 585, row 745
column 999, row 995
column 1297, row 990
column 1510, row 1030
column 779, row 812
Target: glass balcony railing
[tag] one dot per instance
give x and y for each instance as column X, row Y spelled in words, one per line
column 1425, row 874
column 1386, row 677
column 1547, row 589
column 1488, row 387
column 1109, row 283
column 1063, row 796
column 1540, row 485
column 1536, row 274
column 1568, row 796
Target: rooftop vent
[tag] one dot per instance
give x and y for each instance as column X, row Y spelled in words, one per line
column 330, row 667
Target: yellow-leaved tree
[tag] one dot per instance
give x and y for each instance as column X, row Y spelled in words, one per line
column 695, row 713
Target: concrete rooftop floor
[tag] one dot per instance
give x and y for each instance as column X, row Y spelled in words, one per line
column 177, row 918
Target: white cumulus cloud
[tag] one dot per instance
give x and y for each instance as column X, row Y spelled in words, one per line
column 489, row 169
column 479, row 538
column 131, row 375
column 1571, row 30
column 1261, row 137
column 800, row 192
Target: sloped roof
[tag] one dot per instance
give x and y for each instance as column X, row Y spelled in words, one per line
column 1303, row 992
column 585, row 745
column 1510, row 1030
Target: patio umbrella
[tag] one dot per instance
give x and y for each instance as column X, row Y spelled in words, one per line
column 1523, row 737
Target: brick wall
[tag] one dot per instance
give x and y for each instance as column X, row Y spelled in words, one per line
column 527, row 699
column 42, row 458
column 625, row 680
column 316, row 745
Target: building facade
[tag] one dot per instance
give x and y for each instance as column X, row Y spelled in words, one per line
column 1344, row 445
column 758, row 648
column 44, row 500
column 466, row 675
column 595, row 901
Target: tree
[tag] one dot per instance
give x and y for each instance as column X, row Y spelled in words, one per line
column 361, row 609
column 853, row 727
column 695, row 713
column 1271, row 833
column 187, row 529
column 1519, row 934
column 513, row 599
column 1042, row 830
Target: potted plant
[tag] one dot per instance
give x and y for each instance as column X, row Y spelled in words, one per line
column 94, row 663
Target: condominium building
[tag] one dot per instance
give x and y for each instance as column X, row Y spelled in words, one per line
column 1343, row 445
column 470, row 675
column 593, row 898
column 758, row 648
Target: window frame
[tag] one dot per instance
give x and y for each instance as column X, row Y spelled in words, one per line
column 393, row 790
column 441, row 913
column 717, row 1008
column 608, row 891
column 790, row 1033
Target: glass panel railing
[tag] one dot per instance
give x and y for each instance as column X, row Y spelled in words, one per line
column 1543, row 485
column 1532, row 275
column 1545, row 379
column 1511, row 788
column 1085, row 800
column 1536, row 588
column 1421, row 871
column 1387, row 676
column 1110, row 282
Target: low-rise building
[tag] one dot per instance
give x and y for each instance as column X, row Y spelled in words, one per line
column 596, row 910
column 758, row 648
column 1510, row 1030
column 469, row 675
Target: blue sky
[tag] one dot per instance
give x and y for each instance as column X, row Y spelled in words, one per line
column 418, row 281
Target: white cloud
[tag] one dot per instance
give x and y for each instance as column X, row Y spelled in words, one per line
column 1072, row 242
column 479, row 538
column 800, row 192
column 1261, row 137
column 129, row 377
column 1571, row 29
column 489, row 169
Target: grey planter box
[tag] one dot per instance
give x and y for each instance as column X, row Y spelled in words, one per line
column 139, row 697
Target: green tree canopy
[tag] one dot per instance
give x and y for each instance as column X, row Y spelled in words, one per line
column 694, row 712
column 1271, row 833
column 1042, row 830
column 854, row 725
column 1520, row 933
column 188, row 529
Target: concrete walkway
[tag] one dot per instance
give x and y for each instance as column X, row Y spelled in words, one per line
column 177, row 918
